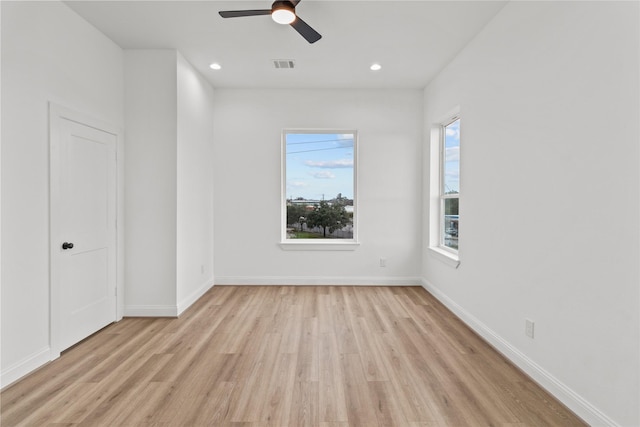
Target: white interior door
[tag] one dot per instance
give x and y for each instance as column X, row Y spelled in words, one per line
column 83, row 203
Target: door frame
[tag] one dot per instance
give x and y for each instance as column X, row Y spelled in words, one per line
column 57, row 113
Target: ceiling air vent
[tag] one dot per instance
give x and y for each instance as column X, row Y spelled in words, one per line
column 283, row 63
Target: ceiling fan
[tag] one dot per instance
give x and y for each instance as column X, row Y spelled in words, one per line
column 283, row 12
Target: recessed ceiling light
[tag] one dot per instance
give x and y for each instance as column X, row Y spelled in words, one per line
column 375, row 67
column 215, row 66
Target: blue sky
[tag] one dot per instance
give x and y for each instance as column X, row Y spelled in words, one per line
column 319, row 164
column 452, row 157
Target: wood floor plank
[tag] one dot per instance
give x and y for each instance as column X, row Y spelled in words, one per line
column 258, row 356
column 331, row 398
column 421, row 401
column 145, row 405
column 368, row 302
column 118, row 394
column 374, row 369
column 304, row 404
column 310, row 296
column 308, row 352
column 344, row 329
column 360, row 408
column 277, row 401
column 290, row 327
column 214, row 407
column 388, row 410
column 352, row 304
column 66, row 412
column 247, row 397
column 325, row 315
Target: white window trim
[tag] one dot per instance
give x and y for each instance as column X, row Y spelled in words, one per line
column 445, row 256
column 314, row 245
column 437, row 248
column 317, row 244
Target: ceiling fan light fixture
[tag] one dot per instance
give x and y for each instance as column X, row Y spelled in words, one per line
column 282, row 12
column 283, row 15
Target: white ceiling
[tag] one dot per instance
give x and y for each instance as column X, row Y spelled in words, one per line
column 413, row 40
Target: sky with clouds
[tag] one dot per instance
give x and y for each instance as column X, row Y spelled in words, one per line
column 319, row 165
column 452, row 157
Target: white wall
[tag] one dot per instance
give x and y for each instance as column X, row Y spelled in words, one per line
column 247, row 157
column 48, row 54
column 1, row 382
column 169, row 192
column 194, row 184
column 151, row 174
column 550, row 197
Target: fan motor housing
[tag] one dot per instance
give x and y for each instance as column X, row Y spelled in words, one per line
column 282, row 4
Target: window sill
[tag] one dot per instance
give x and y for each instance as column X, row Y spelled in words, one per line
column 314, row 245
column 446, row 257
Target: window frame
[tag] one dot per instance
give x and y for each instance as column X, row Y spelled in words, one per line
column 443, row 196
column 317, row 244
column 436, row 208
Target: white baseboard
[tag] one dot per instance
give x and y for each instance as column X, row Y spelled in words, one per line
column 589, row 413
column 29, row 364
column 318, row 281
column 194, row 296
column 150, row 311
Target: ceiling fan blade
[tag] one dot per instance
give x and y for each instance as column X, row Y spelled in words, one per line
column 294, row 2
column 241, row 13
column 305, row 30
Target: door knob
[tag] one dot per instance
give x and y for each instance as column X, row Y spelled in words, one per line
column 67, row 245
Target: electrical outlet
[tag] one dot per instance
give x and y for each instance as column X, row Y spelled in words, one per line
column 383, row 262
column 528, row 327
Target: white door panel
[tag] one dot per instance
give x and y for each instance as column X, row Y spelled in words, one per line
column 83, row 206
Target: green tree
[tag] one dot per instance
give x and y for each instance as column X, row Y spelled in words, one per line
column 451, row 207
column 330, row 217
column 294, row 212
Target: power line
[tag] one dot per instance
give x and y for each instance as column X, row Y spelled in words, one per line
column 315, row 142
column 320, row 149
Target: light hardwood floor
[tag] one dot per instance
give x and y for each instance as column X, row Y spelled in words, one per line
column 286, row 356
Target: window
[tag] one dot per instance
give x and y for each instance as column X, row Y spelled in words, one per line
column 444, row 189
column 319, row 186
column 450, row 184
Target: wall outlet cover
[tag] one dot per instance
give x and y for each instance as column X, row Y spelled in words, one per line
column 529, row 327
